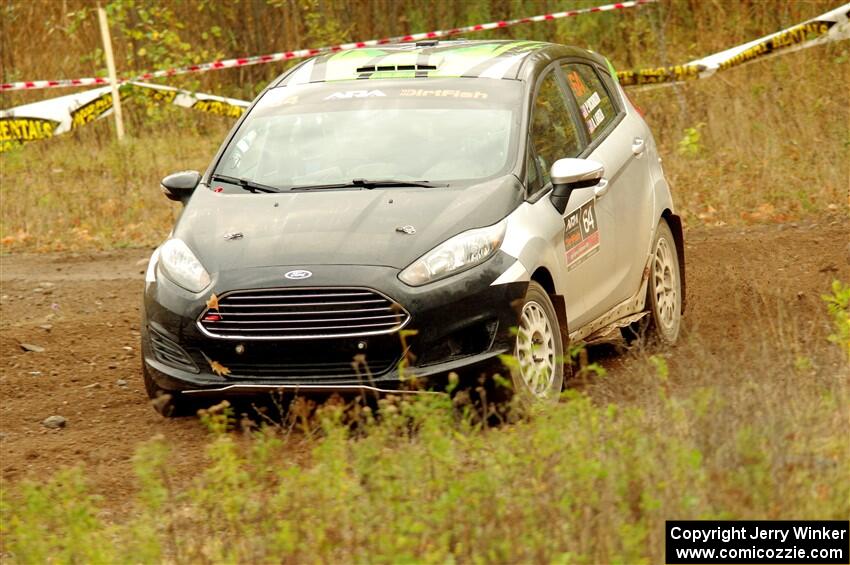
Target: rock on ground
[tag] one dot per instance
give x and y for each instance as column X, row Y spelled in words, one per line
column 54, row 422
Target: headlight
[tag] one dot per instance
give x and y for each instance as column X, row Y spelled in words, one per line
column 462, row 251
column 181, row 266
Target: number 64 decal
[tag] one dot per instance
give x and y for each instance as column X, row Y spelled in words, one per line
column 581, row 234
column 588, row 221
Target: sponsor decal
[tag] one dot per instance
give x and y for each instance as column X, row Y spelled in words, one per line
column 581, row 235
column 576, row 84
column 442, row 93
column 588, row 105
column 594, row 121
column 345, row 95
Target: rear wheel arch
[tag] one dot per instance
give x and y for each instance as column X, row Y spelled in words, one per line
column 674, row 222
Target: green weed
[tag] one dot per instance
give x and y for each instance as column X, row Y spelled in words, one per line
column 423, row 480
column 691, row 143
column 838, row 303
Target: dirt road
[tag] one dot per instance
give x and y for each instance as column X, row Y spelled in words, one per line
column 83, row 311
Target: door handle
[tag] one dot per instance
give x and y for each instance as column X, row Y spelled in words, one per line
column 638, row 146
column 601, row 189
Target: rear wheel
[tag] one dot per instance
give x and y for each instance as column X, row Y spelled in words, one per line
column 664, row 300
column 538, row 374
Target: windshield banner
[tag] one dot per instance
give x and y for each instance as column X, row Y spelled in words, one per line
column 48, row 118
column 831, row 26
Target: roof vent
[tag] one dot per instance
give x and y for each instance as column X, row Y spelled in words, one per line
column 383, row 68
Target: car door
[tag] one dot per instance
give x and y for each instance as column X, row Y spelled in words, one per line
column 588, row 237
column 617, row 139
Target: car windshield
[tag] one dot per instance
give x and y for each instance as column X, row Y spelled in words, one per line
column 436, row 130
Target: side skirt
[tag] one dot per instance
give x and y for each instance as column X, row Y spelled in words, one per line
column 602, row 329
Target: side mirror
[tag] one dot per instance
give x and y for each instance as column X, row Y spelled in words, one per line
column 180, row 186
column 570, row 174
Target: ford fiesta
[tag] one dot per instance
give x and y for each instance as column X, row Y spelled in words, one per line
column 415, row 210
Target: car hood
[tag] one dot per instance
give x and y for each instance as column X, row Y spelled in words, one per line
column 337, row 227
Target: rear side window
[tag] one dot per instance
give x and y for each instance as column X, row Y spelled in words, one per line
column 594, row 102
column 553, row 133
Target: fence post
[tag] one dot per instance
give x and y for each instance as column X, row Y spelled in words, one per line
column 113, row 78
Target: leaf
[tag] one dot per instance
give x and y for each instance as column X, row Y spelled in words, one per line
column 218, row 368
column 212, row 303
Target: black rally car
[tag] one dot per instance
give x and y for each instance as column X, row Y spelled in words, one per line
column 414, row 210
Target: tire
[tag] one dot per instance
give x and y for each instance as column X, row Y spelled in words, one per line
column 664, row 291
column 168, row 404
column 538, row 374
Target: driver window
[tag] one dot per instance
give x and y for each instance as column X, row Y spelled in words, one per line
column 553, row 132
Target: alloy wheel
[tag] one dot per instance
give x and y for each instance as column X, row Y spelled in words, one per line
column 535, row 349
column 665, row 284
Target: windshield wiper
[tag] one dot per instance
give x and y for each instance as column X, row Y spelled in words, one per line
column 246, row 184
column 369, row 184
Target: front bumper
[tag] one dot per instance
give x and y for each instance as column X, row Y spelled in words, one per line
column 461, row 323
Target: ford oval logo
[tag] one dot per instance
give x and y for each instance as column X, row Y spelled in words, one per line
column 298, row 275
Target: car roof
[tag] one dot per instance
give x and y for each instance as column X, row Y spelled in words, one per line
column 503, row 59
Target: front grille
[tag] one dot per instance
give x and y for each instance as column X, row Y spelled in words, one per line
column 319, row 371
column 357, row 359
column 302, row 313
column 168, row 352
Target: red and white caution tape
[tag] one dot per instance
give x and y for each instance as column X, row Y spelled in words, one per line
column 63, row 83
column 45, row 119
column 301, row 53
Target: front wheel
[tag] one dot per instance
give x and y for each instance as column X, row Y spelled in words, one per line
column 664, row 300
column 538, row 373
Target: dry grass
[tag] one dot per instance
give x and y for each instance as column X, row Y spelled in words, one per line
column 757, row 152
column 758, row 432
column 764, row 143
column 86, row 191
column 767, row 142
